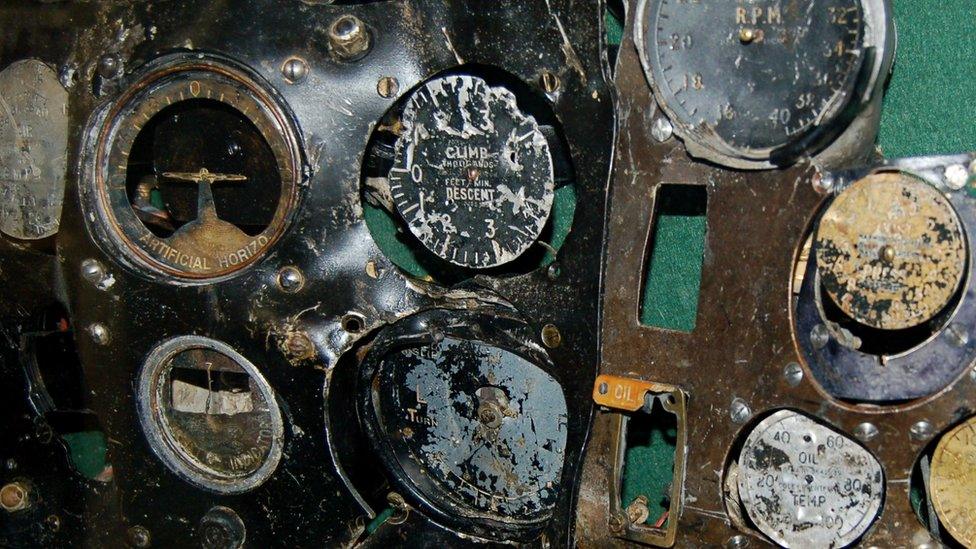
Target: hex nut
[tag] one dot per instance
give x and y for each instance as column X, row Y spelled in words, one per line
column 349, row 38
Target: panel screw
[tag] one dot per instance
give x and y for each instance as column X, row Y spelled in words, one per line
column 737, row 542
column 551, row 336
column 604, row 388
column 553, row 271
column 98, row 333
column 822, row 183
column 221, row 528
column 793, row 373
column 922, row 430
column 956, row 176
column 957, row 335
column 388, row 87
column 290, row 279
column 549, row 81
column 661, row 129
column 819, row 336
column 138, row 536
column 94, row 272
column 348, row 38
column 109, row 66
column 53, row 523
column 298, row 346
column 865, row 431
column 14, row 497
column 739, row 411
column 295, row 70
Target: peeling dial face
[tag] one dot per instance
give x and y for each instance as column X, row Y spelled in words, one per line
column 33, row 155
column 890, row 251
column 748, row 78
column 806, row 485
column 472, row 175
column 475, row 427
column 953, row 481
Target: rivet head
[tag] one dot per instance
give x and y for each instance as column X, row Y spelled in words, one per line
column 956, row 176
column 921, row 430
column 290, row 279
column 549, row 82
column 551, row 336
column 865, row 431
column 388, row 87
column 661, row 129
column 295, row 70
column 739, row 411
column 93, row 271
column 793, row 373
column 819, row 336
column 349, row 38
column 99, row 333
column 138, row 536
column 14, row 497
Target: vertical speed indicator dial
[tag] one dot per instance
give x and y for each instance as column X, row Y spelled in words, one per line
column 472, row 175
column 753, row 81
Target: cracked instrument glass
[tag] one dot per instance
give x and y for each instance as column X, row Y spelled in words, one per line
column 198, row 171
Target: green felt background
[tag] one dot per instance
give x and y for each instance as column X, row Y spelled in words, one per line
column 929, row 108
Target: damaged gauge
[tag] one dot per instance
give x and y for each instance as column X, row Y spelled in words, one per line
column 210, row 415
column 803, row 484
column 756, row 84
column 197, row 170
column 474, row 432
column 472, row 175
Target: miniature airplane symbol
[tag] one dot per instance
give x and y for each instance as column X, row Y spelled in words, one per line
column 204, row 179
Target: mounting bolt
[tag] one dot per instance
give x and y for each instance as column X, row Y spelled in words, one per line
column 956, row 176
column 551, row 336
column 819, row 336
column 637, row 512
column 388, row 87
column 823, row 183
column 922, row 430
column 661, row 129
column 349, row 38
column 290, row 279
column 549, row 82
column 793, row 373
column 138, row 537
column 865, row 431
column 739, row 411
column 109, row 66
column 14, row 496
column 295, row 70
column 957, row 335
column 98, row 333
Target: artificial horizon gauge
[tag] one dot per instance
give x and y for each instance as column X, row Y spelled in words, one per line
column 472, row 174
column 756, row 84
column 473, row 431
column 210, row 415
column 804, row 484
column 197, row 170
column 890, row 251
column 33, row 155
column 952, row 481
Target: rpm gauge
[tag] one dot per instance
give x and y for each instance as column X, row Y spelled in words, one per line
column 197, row 170
column 758, row 81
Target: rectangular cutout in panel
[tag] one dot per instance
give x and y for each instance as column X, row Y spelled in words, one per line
column 648, row 469
column 676, row 248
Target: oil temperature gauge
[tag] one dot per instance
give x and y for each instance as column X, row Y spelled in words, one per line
column 197, row 170
column 472, row 175
column 474, row 431
column 757, row 83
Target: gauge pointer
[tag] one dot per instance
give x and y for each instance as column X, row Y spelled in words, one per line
column 204, row 179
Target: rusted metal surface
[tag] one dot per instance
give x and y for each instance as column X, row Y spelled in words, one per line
column 890, row 251
column 744, row 338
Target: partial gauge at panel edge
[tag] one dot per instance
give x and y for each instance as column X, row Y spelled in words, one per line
column 758, row 84
column 197, row 169
column 469, row 423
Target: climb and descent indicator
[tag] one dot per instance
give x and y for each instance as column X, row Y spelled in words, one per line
column 890, row 251
column 805, row 485
column 472, row 175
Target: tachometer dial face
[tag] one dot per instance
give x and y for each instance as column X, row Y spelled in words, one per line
column 197, row 171
column 473, row 175
column 474, row 427
column 752, row 79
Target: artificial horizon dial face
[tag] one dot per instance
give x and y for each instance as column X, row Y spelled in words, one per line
column 472, row 175
column 749, row 79
column 478, row 430
column 198, row 171
column 891, row 251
